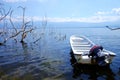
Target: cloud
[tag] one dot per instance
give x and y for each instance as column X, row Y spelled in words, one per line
column 116, row 11
column 102, row 13
column 13, row 1
column 92, row 19
column 100, row 16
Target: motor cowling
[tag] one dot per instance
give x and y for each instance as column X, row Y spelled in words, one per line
column 97, row 53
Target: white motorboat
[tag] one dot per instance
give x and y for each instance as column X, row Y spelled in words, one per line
column 81, row 46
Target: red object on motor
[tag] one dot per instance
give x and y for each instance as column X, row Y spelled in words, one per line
column 94, row 50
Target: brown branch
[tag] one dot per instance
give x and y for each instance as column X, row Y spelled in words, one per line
column 15, row 34
column 29, row 30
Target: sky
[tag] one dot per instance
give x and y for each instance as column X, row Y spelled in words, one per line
column 90, row 11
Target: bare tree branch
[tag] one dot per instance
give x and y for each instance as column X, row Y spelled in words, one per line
column 25, row 25
column 23, row 16
column 4, row 14
column 23, row 31
column 12, row 21
column 37, row 40
column 16, row 34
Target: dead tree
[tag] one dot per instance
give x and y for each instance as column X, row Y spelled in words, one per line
column 24, row 30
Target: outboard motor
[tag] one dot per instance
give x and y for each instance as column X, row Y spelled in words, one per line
column 96, row 52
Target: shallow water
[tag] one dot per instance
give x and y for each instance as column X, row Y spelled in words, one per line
column 50, row 57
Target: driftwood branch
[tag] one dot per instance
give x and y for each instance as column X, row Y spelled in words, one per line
column 112, row 28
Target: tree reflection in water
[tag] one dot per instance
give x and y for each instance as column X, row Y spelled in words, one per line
column 25, row 52
column 90, row 72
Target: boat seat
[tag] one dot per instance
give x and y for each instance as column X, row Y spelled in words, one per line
column 87, row 50
column 82, row 52
column 82, row 48
column 82, row 45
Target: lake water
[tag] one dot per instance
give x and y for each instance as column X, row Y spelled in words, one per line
column 50, row 58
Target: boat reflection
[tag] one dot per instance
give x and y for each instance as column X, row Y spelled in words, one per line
column 89, row 71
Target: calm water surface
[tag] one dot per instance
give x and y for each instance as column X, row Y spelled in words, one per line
column 50, row 58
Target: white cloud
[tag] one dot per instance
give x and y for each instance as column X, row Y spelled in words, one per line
column 106, row 16
column 100, row 16
column 35, row 18
column 102, row 13
column 98, row 19
column 13, row 1
column 93, row 19
column 116, row 11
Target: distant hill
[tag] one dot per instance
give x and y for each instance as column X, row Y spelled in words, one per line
column 82, row 24
column 72, row 24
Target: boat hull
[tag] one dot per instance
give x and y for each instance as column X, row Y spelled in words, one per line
column 80, row 48
column 88, row 60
